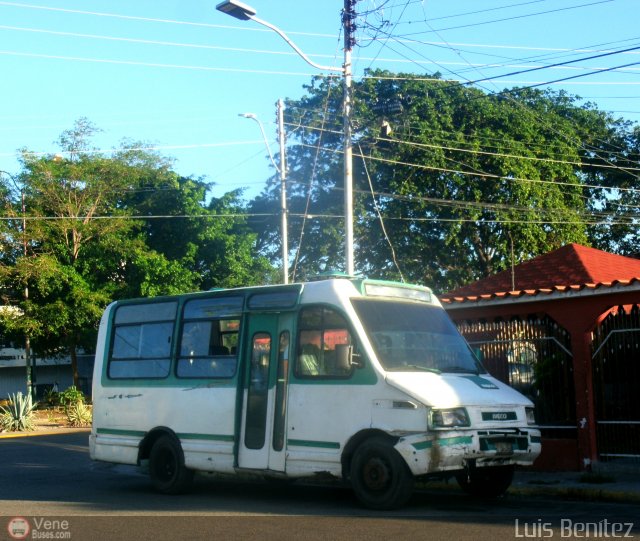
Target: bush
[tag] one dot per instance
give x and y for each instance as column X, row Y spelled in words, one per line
column 52, row 398
column 79, row 414
column 19, row 414
column 70, row 397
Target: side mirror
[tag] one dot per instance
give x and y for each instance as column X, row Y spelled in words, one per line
column 346, row 358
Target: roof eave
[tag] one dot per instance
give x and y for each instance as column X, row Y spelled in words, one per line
column 540, row 295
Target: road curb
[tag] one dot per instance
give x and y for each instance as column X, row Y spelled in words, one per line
column 48, row 432
column 567, row 491
column 587, row 493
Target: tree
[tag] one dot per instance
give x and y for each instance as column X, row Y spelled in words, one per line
column 454, row 182
column 101, row 228
column 614, row 162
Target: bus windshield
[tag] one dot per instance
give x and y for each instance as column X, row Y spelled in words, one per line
column 417, row 337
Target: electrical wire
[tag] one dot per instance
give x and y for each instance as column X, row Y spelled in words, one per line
column 483, row 152
column 381, row 220
column 512, row 18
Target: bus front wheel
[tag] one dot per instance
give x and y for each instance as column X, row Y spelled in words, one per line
column 379, row 476
column 166, row 467
column 488, row 482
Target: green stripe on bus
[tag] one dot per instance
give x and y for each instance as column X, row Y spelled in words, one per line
column 212, row 437
column 311, row 443
column 117, row 432
column 459, row 440
column 185, row 436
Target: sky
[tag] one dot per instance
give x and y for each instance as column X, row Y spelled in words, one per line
column 176, row 74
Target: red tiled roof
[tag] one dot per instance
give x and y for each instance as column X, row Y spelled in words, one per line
column 570, row 268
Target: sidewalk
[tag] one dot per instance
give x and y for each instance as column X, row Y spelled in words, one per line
column 602, row 484
column 605, row 486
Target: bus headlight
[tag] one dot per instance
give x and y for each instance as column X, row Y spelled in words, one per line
column 531, row 419
column 450, row 418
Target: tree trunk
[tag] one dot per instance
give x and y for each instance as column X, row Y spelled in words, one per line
column 74, row 365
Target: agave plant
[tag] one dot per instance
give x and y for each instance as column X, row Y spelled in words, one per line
column 79, row 414
column 18, row 415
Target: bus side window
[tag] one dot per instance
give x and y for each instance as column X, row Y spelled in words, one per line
column 206, row 348
column 141, row 341
column 321, row 330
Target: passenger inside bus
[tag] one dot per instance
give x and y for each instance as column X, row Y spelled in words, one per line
column 308, row 360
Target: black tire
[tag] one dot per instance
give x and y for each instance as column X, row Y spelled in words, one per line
column 491, row 482
column 166, row 467
column 380, row 477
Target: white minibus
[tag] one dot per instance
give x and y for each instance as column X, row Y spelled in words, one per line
column 366, row 380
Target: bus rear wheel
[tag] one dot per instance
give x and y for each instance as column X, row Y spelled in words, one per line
column 379, row 476
column 489, row 482
column 166, row 467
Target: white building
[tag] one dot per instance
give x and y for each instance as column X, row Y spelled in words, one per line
column 46, row 372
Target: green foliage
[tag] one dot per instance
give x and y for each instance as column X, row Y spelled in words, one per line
column 70, row 397
column 79, row 414
column 465, row 179
column 87, row 243
column 52, row 398
column 18, row 415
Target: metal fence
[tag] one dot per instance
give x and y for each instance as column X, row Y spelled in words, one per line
column 534, row 356
column 616, row 378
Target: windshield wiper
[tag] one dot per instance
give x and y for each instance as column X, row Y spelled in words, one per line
column 409, row 367
column 461, row 370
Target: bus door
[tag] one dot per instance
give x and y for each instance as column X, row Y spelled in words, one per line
column 262, row 436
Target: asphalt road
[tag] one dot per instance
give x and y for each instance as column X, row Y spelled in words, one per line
column 60, row 493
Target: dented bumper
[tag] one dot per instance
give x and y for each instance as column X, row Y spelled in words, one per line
column 452, row 450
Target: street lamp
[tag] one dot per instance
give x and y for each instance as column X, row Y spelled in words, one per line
column 27, row 340
column 283, row 186
column 243, row 12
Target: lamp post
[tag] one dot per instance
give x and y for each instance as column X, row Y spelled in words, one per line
column 27, row 340
column 243, row 12
column 282, row 170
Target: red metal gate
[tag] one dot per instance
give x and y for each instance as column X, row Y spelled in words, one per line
column 616, row 381
column 534, row 356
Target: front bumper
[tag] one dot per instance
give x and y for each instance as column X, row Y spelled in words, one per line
column 443, row 451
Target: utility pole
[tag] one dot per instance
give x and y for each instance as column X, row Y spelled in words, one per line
column 348, row 22
column 283, row 194
column 243, row 12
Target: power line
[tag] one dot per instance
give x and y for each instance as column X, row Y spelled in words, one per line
column 154, row 42
column 150, row 148
column 255, row 51
column 548, row 83
column 285, row 73
column 152, row 19
column 137, row 217
column 476, row 12
column 484, row 152
column 310, row 215
column 555, row 81
column 512, row 18
column 151, row 64
column 245, row 28
column 482, row 175
column 561, row 64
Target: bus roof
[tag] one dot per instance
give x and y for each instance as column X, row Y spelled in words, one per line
column 287, row 296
